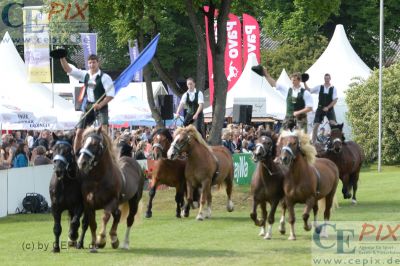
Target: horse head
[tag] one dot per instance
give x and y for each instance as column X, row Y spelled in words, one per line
column 91, row 151
column 265, row 148
column 290, row 149
column 161, row 142
column 63, row 155
column 179, row 144
column 336, row 140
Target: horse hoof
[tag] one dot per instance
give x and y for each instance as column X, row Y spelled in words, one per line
column 307, row 227
column 178, row 215
column 93, row 250
column 195, row 205
column 186, row 214
column 115, row 244
column 72, row 243
column 292, row 238
column 282, row 232
column 230, row 206
column 100, row 244
column 199, row 217
column 353, row 202
column 267, row 237
column 324, row 234
column 56, row 250
column 318, row 229
column 79, row 245
column 148, row 214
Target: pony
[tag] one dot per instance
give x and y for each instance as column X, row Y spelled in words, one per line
column 109, row 181
column 267, row 183
column 165, row 171
column 205, row 166
column 348, row 157
column 65, row 189
column 309, row 180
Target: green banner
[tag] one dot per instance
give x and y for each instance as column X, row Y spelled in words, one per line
column 244, row 167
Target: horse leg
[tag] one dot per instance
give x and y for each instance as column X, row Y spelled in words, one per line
column 310, row 203
column 271, row 219
column 355, row 186
column 229, row 186
column 93, row 228
column 189, row 200
column 74, row 226
column 113, row 231
column 57, row 229
column 315, row 212
column 133, row 208
column 101, row 238
column 85, row 225
column 179, row 202
column 282, row 228
column 209, row 203
column 152, row 193
column 327, row 213
column 292, row 220
column 345, row 189
column 206, row 188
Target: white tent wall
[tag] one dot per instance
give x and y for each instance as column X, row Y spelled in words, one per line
column 250, row 84
column 343, row 64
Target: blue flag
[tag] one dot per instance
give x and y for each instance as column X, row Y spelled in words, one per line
column 141, row 61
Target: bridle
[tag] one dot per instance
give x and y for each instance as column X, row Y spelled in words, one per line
column 292, row 154
column 178, row 147
column 86, row 151
column 67, row 161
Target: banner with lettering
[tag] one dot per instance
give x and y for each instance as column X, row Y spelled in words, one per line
column 244, row 168
column 133, row 54
column 233, row 50
column 251, row 38
column 36, row 44
column 89, row 45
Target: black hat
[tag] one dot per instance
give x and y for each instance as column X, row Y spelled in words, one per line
column 58, row 53
column 304, row 77
column 258, row 69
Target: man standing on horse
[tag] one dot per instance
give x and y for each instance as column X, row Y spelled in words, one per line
column 326, row 101
column 193, row 100
column 298, row 101
column 97, row 92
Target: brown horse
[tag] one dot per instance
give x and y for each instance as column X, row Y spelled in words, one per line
column 267, row 183
column 165, row 171
column 309, row 179
column 108, row 182
column 348, row 157
column 65, row 189
column 206, row 166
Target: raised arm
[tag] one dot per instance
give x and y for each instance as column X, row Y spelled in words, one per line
column 65, row 65
column 269, row 78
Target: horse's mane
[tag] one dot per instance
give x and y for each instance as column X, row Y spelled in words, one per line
column 163, row 131
column 193, row 133
column 307, row 149
column 109, row 146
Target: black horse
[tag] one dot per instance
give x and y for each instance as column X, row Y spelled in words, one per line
column 65, row 189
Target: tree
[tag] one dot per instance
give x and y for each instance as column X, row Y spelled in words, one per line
column 362, row 100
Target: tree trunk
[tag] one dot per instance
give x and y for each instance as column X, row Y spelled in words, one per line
column 199, row 31
column 220, row 82
column 165, row 77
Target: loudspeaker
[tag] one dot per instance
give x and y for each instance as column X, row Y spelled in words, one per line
column 77, row 104
column 166, row 103
column 242, row 114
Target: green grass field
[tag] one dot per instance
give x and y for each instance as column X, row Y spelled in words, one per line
column 225, row 239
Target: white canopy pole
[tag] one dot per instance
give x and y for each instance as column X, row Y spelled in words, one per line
column 380, row 84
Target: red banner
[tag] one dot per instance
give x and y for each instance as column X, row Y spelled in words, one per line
column 209, row 60
column 251, row 38
column 233, row 50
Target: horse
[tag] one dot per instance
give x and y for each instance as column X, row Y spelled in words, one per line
column 65, row 189
column 205, row 166
column 348, row 157
column 165, row 171
column 309, row 180
column 267, row 183
column 109, row 181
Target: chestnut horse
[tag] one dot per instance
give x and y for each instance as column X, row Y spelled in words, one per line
column 348, row 157
column 309, row 179
column 205, row 166
column 267, row 183
column 108, row 182
column 165, row 171
column 65, row 189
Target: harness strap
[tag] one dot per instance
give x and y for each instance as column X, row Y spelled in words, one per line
column 87, row 152
column 216, row 174
column 59, row 157
column 318, row 180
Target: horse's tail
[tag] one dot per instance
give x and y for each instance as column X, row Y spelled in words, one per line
column 322, row 204
column 124, row 208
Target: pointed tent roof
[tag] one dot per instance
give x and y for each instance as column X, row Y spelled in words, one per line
column 284, row 79
column 250, row 84
column 12, row 64
column 341, row 61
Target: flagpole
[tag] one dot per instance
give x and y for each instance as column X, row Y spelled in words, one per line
column 380, row 85
column 52, row 73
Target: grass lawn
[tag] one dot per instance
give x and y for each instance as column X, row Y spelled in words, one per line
column 225, row 239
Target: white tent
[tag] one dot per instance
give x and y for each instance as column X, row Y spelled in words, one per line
column 30, row 97
column 343, row 64
column 249, row 86
column 284, row 79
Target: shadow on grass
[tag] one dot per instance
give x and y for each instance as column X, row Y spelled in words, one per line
column 177, row 252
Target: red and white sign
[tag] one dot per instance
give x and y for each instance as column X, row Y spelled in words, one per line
column 233, row 50
column 251, row 38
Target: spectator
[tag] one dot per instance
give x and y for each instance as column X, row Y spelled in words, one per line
column 18, row 138
column 245, row 145
column 227, row 141
column 139, row 154
column 30, row 140
column 43, row 140
column 21, row 156
column 39, row 156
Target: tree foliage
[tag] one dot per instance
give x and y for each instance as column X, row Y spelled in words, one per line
column 362, row 100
